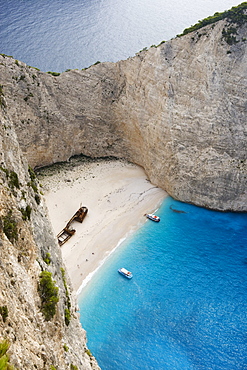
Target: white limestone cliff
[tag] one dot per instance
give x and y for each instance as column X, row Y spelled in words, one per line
column 178, row 110
column 28, row 247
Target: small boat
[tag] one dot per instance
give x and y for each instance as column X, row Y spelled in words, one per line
column 67, row 232
column 153, row 217
column 65, row 235
column 125, row 273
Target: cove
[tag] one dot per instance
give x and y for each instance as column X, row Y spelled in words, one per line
column 185, row 307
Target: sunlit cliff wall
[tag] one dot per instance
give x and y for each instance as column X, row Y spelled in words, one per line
column 178, row 110
column 28, row 247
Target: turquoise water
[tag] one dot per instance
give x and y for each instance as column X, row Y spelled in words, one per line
column 55, row 35
column 186, row 306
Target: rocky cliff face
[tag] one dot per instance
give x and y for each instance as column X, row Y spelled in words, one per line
column 28, row 247
column 178, row 110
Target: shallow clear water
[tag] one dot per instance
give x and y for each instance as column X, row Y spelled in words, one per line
column 186, row 306
column 60, row 34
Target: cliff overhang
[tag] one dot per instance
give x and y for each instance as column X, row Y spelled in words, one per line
column 178, row 110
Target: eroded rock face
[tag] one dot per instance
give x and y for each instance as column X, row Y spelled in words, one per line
column 178, row 110
column 26, row 242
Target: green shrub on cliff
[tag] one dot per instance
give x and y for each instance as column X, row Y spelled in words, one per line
column 12, row 177
column 13, row 180
column 54, row 73
column 65, row 347
column 4, row 346
column 26, row 213
column 47, row 258
column 6, row 56
column 32, row 174
column 4, row 312
column 5, row 170
column 73, row 367
column 4, row 358
column 49, row 295
column 67, row 316
column 10, row 227
column 67, row 313
column 33, row 184
column 229, row 35
column 88, row 352
column 37, row 199
column 235, row 15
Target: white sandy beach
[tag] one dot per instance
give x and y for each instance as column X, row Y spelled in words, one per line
column 117, row 195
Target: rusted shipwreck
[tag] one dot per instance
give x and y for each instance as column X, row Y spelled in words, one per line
column 68, row 232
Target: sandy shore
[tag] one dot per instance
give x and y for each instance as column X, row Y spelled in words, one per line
column 117, row 195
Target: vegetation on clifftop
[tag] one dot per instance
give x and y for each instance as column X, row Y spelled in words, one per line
column 235, row 15
column 54, row 73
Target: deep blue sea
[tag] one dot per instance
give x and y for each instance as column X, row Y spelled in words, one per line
column 185, row 307
column 55, row 35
